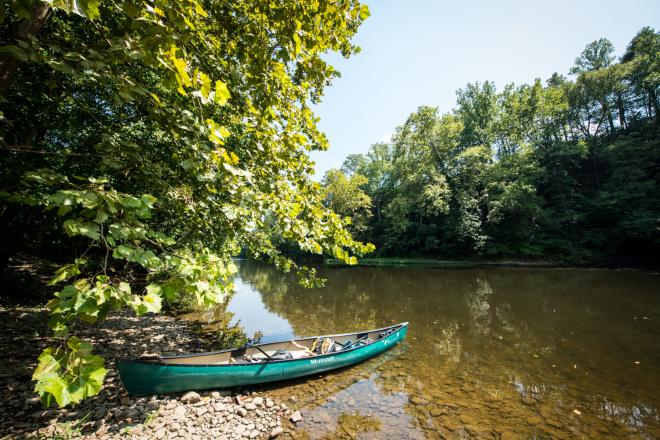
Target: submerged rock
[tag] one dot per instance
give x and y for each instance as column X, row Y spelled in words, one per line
column 276, row 432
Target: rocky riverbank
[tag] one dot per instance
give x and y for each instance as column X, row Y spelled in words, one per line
column 113, row 413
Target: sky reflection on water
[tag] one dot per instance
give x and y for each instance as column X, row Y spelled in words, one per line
column 555, row 353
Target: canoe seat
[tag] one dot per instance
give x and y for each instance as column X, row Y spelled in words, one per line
column 298, row 354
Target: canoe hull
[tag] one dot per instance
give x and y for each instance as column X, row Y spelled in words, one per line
column 153, row 378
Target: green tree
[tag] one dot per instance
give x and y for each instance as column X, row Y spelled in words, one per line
column 158, row 139
column 643, row 58
column 477, row 109
column 420, row 188
column 562, row 170
column 345, row 196
column 597, row 55
column 376, row 166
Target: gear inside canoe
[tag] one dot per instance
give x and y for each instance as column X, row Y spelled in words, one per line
column 282, row 350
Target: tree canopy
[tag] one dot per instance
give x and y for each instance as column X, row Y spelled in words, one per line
column 149, row 142
column 562, row 171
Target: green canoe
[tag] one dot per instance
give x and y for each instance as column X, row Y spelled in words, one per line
column 255, row 364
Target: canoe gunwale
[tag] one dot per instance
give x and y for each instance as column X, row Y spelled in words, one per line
column 156, row 360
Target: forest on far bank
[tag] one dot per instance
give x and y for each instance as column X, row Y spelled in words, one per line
column 566, row 170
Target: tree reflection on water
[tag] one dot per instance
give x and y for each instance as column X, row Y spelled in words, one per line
column 549, row 352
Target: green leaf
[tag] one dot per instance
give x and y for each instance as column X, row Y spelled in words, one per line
column 47, row 364
column 14, row 52
column 57, row 387
column 364, row 12
column 64, row 273
column 131, row 202
column 76, row 227
column 152, row 301
column 221, row 93
column 69, row 374
column 85, row 8
column 207, row 85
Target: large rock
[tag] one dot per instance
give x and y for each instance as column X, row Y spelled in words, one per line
column 258, row 401
column 191, row 397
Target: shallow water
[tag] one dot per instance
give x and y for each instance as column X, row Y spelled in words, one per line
column 490, row 353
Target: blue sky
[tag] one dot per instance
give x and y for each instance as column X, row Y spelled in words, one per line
column 417, row 52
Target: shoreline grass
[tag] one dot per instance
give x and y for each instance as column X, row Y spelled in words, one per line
column 448, row 263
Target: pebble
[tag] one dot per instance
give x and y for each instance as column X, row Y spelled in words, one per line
column 296, row 417
column 416, row 400
column 114, row 415
column 180, row 412
column 533, row 420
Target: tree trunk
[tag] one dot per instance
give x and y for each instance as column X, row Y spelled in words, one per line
column 622, row 111
column 26, row 28
column 653, row 97
column 594, row 167
column 607, row 113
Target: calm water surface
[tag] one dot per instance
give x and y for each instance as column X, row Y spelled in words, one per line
column 490, row 353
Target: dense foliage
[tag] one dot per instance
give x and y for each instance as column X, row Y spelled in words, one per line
column 144, row 143
column 568, row 171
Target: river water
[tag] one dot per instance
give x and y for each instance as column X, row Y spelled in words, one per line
column 490, row 352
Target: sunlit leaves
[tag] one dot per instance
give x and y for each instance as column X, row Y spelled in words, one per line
column 188, row 127
column 86, row 8
column 69, row 374
column 217, row 133
column 364, row 12
column 76, row 227
column 64, row 273
column 221, row 93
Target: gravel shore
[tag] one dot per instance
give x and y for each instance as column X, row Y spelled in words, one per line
column 217, row 414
